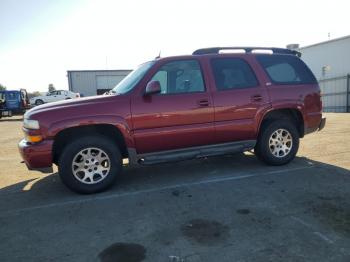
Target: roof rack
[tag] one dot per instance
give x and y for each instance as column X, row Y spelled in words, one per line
column 216, row 50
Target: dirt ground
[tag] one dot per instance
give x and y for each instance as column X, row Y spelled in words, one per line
column 230, row 208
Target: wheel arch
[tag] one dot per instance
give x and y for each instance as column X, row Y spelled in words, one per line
column 63, row 137
column 290, row 113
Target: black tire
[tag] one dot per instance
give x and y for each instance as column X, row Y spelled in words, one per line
column 73, row 148
column 262, row 148
column 39, row 102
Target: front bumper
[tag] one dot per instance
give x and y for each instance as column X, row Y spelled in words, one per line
column 37, row 156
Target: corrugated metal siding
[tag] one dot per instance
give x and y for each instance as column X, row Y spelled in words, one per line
column 333, row 83
column 335, row 54
column 107, row 81
column 87, row 82
column 334, row 94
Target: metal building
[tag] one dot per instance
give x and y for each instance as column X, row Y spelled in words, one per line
column 94, row 82
column 330, row 62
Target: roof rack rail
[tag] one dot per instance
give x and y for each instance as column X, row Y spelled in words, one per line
column 216, row 50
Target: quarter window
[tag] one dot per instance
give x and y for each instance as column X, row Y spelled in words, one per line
column 233, row 73
column 180, row 77
column 286, row 69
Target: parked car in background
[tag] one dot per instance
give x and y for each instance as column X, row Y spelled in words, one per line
column 54, row 96
column 13, row 102
column 175, row 108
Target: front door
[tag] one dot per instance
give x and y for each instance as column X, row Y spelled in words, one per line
column 51, row 97
column 180, row 116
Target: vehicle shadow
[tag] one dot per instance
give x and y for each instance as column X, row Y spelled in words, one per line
column 169, row 175
column 11, row 119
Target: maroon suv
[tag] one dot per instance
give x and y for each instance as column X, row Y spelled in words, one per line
column 216, row 101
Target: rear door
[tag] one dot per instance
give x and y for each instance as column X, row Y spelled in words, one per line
column 238, row 97
column 180, row 116
column 12, row 100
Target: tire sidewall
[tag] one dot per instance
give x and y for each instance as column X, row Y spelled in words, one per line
column 39, row 102
column 70, row 151
column 263, row 149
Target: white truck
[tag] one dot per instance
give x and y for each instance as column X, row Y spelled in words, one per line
column 54, row 96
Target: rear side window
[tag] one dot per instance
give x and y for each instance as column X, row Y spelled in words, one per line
column 232, row 73
column 286, row 69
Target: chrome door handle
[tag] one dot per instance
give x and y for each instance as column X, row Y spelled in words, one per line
column 203, row 102
column 256, row 98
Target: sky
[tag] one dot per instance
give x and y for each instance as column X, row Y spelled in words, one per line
column 41, row 39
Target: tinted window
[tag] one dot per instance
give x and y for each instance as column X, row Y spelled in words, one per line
column 11, row 96
column 233, row 73
column 180, row 77
column 286, row 69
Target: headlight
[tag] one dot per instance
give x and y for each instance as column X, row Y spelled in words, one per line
column 31, row 124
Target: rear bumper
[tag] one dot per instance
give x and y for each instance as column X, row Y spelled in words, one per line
column 37, row 156
column 314, row 122
column 322, row 124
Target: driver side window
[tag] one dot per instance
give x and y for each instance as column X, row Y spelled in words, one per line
column 180, row 77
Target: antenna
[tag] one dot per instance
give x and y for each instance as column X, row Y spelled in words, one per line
column 158, row 55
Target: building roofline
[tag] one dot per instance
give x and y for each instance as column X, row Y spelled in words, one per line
column 325, row 42
column 115, row 70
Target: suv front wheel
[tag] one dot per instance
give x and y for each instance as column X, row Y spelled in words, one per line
column 90, row 164
column 278, row 142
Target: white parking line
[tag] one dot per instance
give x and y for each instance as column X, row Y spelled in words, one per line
column 324, row 237
column 152, row 190
column 311, row 227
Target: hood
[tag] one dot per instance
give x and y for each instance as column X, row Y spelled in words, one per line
column 70, row 104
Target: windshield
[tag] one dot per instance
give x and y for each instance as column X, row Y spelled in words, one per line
column 129, row 82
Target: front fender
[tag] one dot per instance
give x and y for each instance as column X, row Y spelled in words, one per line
column 118, row 122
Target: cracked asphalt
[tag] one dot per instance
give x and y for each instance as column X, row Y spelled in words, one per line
column 230, row 208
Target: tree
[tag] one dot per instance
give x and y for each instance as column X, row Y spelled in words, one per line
column 51, row 88
column 2, row 87
column 33, row 94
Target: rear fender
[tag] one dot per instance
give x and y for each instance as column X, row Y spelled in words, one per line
column 279, row 106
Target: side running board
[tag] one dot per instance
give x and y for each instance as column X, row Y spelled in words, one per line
column 190, row 153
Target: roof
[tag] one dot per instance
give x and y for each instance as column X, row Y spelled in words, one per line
column 116, row 70
column 10, row 90
column 326, row 42
column 251, row 50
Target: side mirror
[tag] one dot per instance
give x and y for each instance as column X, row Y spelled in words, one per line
column 153, row 87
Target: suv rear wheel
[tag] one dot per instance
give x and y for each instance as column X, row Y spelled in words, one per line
column 278, row 142
column 90, row 164
column 39, row 102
